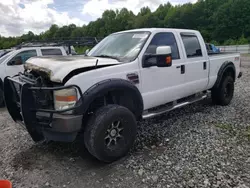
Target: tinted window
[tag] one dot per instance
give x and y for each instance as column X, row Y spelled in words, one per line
column 20, row 58
column 164, row 39
column 46, row 52
column 192, row 46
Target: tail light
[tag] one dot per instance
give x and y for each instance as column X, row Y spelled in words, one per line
column 65, row 99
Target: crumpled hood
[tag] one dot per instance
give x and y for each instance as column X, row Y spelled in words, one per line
column 58, row 67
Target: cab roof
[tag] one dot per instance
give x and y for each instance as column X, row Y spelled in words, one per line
column 152, row 30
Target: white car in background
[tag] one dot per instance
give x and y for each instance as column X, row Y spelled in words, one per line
column 12, row 62
column 4, row 52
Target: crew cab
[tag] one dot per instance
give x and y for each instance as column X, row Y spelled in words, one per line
column 129, row 75
column 12, row 62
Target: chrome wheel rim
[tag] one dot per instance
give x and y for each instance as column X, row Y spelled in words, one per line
column 113, row 134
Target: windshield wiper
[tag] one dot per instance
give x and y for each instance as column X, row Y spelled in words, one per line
column 108, row 56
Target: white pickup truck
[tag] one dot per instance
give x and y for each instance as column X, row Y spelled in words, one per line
column 129, row 75
column 12, row 62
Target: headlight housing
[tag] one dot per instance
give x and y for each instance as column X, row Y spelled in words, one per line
column 65, row 99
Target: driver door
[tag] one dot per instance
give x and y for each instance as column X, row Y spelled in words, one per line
column 161, row 85
column 15, row 65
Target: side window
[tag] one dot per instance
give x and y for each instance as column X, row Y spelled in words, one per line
column 192, row 45
column 53, row 51
column 210, row 47
column 164, row 39
column 20, row 58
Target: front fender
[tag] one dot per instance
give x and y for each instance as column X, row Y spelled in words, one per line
column 109, row 85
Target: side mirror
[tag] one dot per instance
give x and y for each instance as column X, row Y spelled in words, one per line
column 163, row 50
column 86, row 52
column 162, row 58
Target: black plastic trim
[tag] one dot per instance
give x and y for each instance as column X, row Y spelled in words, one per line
column 22, row 107
column 240, row 75
column 103, row 87
column 50, row 89
column 224, row 67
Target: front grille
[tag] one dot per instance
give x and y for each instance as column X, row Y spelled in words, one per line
column 43, row 98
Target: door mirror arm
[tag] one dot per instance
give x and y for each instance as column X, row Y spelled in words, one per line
column 147, row 62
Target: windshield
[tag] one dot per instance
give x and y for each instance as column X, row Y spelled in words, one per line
column 124, row 47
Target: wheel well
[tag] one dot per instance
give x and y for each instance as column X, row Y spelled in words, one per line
column 227, row 68
column 229, row 71
column 126, row 98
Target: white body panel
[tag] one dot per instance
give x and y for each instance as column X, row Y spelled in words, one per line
column 215, row 64
column 161, row 84
column 158, row 85
column 7, row 70
column 59, row 67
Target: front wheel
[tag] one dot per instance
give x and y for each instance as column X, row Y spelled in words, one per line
column 110, row 133
column 224, row 93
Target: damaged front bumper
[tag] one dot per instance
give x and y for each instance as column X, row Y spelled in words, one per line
column 25, row 107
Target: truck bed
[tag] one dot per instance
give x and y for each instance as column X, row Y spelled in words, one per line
column 222, row 53
column 216, row 61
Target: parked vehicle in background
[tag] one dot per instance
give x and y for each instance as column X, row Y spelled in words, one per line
column 129, row 75
column 4, row 51
column 211, row 48
column 12, row 62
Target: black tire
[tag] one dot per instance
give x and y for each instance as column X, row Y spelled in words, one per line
column 223, row 94
column 2, row 104
column 98, row 138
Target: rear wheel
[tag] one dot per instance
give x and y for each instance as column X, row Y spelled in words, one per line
column 2, row 104
column 110, row 133
column 223, row 94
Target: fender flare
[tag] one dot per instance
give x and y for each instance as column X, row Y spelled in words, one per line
column 103, row 87
column 224, row 67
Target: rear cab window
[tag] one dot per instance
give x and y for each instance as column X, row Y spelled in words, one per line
column 51, row 51
column 192, row 45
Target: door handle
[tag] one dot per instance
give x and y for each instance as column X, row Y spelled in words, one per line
column 204, row 65
column 182, row 67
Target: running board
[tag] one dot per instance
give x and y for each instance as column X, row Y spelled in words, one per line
column 167, row 109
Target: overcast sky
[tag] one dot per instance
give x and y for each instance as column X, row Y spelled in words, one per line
column 20, row 16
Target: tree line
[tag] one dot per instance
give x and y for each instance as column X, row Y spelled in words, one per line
column 220, row 22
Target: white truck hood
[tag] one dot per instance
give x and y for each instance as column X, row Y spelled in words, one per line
column 58, row 67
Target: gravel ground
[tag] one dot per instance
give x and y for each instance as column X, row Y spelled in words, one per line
column 200, row 145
